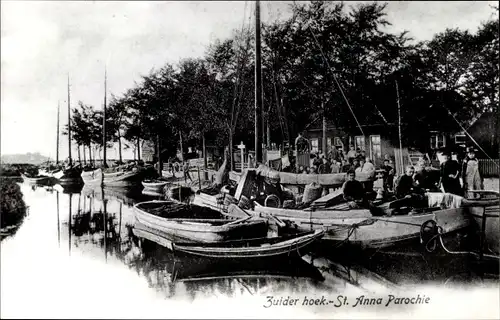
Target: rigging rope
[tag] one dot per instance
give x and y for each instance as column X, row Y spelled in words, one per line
column 234, row 117
column 467, row 133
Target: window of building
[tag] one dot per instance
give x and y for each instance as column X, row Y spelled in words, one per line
column 359, row 142
column 460, row 139
column 375, row 147
column 314, row 145
column 438, row 141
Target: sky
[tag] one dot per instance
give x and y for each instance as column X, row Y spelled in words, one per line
column 44, row 41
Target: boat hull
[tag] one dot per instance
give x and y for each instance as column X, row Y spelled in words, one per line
column 93, row 177
column 356, row 227
column 296, row 246
column 487, row 217
column 154, row 186
column 114, row 179
column 177, row 230
column 123, row 179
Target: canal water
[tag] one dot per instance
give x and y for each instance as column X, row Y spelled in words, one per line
column 76, row 256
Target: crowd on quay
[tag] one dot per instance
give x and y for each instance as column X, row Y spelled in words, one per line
column 454, row 176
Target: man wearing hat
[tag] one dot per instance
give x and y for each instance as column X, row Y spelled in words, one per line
column 470, row 171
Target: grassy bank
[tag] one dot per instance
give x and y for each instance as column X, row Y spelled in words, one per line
column 15, row 170
column 12, row 207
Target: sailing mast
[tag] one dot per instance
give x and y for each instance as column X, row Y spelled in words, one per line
column 104, row 122
column 258, row 86
column 399, row 130
column 69, row 127
column 57, row 139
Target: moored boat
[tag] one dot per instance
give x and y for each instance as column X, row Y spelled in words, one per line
column 485, row 210
column 92, row 177
column 114, row 177
column 183, row 222
column 54, row 173
column 154, row 185
column 123, row 178
column 36, row 180
column 69, row 176
column 361, row 227
column 257, row 248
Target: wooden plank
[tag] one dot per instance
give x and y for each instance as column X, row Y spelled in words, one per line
column 323, row 201
column 245, row 183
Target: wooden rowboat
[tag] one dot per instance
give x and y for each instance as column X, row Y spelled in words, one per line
column 154, row 185
column 183, row 222
column 123, row 178
column 120, row 178
column 258, row 248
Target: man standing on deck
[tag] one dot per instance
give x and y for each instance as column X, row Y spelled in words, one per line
column 353, row 190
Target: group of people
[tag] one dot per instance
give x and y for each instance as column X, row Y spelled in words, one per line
column 336, row 162
column 410, row 187
column 453, row 177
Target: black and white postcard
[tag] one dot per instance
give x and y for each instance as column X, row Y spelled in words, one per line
column 250, row 159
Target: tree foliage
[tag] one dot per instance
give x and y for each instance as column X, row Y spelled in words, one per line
column 326, row 59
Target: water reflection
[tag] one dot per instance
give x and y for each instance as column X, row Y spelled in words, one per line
column 98, row 223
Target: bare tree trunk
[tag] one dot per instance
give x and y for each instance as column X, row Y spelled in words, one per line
column 182, row 149
column 205, row 157
column 90, row 155
column 120, row 147
column 79, row 155
column 138, row 149
column 84, row 156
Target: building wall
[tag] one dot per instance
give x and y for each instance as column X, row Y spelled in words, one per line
column 485, row 132
column 386, row 146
